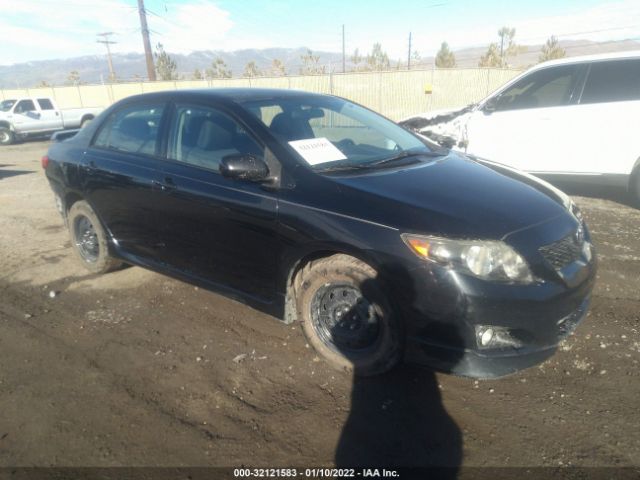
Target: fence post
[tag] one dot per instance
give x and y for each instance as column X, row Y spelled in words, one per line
column 380, row 91
column 488, row 82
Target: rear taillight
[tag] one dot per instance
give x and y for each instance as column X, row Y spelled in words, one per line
column 44, row 161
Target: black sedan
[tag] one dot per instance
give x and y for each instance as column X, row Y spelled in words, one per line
column 382, row 245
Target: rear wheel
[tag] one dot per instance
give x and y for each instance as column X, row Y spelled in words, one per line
column 89, row 240
column 6, row 136
column 347, row 317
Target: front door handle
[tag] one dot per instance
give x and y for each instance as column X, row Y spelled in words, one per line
column 90, row 167
column 167, row 185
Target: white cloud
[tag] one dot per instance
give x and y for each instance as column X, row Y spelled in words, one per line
column 195, row 26
column 601, row 23
column 41, row 29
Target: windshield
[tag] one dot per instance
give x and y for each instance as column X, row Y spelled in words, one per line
column 331, row 133
column 6, row 105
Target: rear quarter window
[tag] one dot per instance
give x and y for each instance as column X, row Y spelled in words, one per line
column 612, row 81
column 131, row 129
column 45, row 104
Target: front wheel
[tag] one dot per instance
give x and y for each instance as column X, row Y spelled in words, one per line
column 89, row 239
column 6, row 136
column 347, row 317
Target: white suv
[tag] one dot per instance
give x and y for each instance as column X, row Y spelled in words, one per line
column 573, row 118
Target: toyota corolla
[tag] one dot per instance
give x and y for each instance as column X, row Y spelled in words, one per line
column 383, row 246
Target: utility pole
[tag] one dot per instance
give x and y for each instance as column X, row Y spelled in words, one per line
column 106, row 42
column 501, row 48
column 409, row 55
column 344, row 68
column 144, row 28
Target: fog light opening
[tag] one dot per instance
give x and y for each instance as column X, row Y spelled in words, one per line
column 496, row 337
column 485, row 337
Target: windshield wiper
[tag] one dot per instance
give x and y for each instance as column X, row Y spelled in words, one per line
column 403, row 155
column 365, row 166
column 342, row 168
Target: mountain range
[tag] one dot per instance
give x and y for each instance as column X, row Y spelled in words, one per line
column 131, row 66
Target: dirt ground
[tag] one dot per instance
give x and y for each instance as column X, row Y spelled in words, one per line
column 135, row 368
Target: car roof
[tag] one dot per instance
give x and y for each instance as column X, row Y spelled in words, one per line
column 230, row 94
column 590, row 58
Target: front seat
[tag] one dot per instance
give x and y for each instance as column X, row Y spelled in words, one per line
column 214, row 142
column 289, row 128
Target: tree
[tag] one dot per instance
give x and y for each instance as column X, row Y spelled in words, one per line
column 277, row 68
column 498, row 54
column 492, row 57
column 508, row 47
column 43, row 84
column 356, row 59
column 74, row 77
column 251, row 70
column 310, row 65
column 415, row 58
column 197, row 74
column 551, row 50
column 166, row 67
column 378, row 58
column 445, row 57
column 218, row 69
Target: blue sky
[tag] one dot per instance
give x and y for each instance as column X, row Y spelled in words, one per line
column 43, row 29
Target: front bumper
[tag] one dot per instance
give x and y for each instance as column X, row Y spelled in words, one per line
column 442, row 324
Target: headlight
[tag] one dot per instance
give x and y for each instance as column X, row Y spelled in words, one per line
column 486, row 259
column 575, row 211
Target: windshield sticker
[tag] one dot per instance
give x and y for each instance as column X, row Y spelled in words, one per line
column 317, row 150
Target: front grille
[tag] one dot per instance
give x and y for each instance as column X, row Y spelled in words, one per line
column 563, row 252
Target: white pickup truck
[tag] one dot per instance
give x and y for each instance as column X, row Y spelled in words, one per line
column 38, row 116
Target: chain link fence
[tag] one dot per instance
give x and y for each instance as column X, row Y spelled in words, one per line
column 396, row 94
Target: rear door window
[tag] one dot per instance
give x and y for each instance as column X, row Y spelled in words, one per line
column 131, row 129
column 612, row 81
column 549, row 87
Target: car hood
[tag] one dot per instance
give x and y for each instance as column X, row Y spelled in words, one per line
column 455, row 196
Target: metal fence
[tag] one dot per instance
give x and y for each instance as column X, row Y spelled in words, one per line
column 396, row 94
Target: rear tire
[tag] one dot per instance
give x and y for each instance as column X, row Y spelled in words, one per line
column 89, row 239
column 347, row 317
column 6, row 136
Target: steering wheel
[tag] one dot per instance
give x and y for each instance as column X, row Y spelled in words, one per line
column 345, row 143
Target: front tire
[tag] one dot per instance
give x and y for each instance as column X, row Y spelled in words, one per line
column 347, row 317
column 6, row 136
column 89, row 239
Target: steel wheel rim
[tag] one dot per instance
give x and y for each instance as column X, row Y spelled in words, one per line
column 344, row 319
column 4, row 136
column 86, row 239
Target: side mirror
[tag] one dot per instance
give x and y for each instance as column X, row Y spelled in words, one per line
column 244, row 167
column 490, row 105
